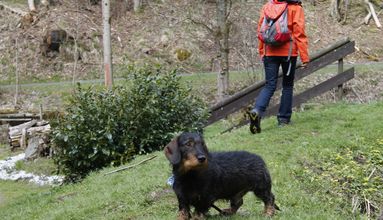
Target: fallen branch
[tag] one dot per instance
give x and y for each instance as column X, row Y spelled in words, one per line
column 372, row 172
column 368, row 17
column 372, row 10
column 131, row 166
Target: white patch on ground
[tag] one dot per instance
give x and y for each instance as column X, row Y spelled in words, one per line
column 8, row 172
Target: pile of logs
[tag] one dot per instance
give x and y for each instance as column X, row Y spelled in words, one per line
column 33, row 136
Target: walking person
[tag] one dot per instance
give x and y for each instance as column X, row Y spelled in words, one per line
column 279, row 49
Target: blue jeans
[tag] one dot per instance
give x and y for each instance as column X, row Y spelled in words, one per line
column 272, row 64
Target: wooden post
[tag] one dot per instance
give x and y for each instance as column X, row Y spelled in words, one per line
column 107, row 44
column 339, row 90
column 41, row 112
column 17, row 74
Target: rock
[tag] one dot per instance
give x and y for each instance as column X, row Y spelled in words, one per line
column 32, row 150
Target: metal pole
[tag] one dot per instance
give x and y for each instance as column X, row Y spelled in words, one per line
column 107, row 44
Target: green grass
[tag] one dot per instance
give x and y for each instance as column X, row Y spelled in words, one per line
column 142, row 193
column 16, row 2
column 11, row 191
column 5, row 151
column 44, row 90
column 39, row 166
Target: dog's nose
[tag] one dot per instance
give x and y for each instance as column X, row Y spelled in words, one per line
column 201, row 158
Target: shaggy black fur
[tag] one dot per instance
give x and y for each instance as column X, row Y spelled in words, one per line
column 201, row 177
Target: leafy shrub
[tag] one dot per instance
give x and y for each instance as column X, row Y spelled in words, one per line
column 91, row 134
column 160, row 105
column 355, row 174
column 110, row 126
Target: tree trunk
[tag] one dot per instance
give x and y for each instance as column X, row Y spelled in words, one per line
column 17, row 74
column 45, row 2
column 222, row 39
column 136, row 5
column 107, row 44
column 31, row 5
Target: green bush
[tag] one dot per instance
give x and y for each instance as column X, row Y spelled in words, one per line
column 110, row 126
column 160, row 105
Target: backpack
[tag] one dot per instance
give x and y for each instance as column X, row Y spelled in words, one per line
column 274, row 30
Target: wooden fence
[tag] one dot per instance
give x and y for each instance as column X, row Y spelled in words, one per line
column 329, row 55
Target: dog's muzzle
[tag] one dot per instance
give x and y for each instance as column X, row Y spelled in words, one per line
column 201, row 158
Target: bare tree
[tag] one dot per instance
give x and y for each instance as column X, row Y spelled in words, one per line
column 213, row 23
column 107, row 43
column 340, row 8
column 17, row 73
column 220, row 30
column 45, row 2
column 137, row 5
column 31, row 5
column 222, row 39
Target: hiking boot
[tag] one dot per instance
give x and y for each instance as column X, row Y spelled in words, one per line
column 255, row 122
column 282, row 123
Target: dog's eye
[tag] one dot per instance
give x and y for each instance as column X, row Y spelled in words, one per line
column 189, row 144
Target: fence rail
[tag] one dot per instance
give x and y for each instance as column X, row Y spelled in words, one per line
column 329, row 55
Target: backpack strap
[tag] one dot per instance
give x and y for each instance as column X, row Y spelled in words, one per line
column 289, row 56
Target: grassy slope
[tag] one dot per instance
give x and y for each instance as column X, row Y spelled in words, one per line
column 141, row 192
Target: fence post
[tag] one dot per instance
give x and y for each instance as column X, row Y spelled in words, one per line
column 339, row 90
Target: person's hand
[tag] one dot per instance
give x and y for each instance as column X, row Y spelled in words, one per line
column 304, row 65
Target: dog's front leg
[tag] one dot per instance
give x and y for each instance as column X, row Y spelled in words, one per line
column 183, row 211
column 183, row 206
column 183, row 214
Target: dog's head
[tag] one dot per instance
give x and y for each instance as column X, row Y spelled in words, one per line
column 188, row 151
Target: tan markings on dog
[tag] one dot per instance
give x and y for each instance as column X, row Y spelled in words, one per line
column 183, row 215
column 198, row 216
column 269, row 210
column 191, row 163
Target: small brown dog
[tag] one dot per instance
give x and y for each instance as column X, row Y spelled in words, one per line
column 201, row 178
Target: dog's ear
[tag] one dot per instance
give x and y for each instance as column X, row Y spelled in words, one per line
column 172, row 152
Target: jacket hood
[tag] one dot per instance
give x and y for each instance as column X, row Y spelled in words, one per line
column 274, row 9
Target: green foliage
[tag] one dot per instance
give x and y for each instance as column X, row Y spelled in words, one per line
column 182, row 54
column 91, row 135
column 111, row 126
column 354, row 173
column 160, row 105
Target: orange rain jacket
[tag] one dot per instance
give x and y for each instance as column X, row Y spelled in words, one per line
column 296, row 24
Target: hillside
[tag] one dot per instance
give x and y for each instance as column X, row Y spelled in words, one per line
column 155, row 35
column 296, row 157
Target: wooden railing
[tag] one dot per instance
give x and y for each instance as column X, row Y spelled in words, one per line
column 329, row 55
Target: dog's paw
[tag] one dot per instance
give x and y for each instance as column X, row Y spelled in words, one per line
column 229, row 211
column 199, row 216
column 183, row 215
column 269, row 211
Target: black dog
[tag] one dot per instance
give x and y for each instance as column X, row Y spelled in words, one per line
column 201, row 178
